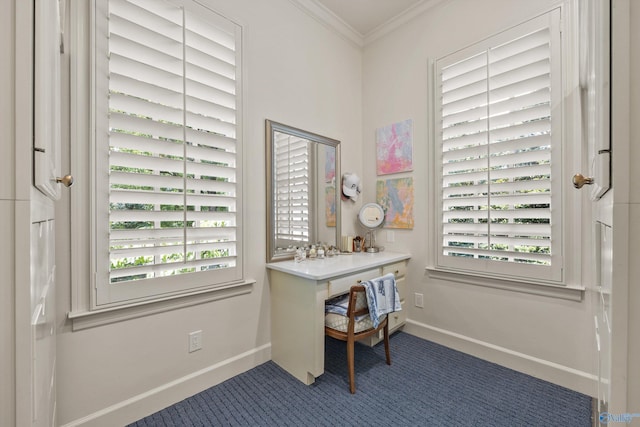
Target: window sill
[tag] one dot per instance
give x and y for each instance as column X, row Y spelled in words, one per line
column 85, row 319
column 571, row 293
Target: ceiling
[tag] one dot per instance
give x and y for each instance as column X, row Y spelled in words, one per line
column 364, row 16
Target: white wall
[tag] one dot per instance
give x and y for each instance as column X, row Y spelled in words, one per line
column 547, row 337
column 297, row 72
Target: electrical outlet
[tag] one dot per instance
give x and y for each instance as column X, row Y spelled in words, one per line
column 419, row 300
column 391, row 237
column 195, row 341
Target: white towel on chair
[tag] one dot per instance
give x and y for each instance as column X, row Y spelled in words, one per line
column 382, row 297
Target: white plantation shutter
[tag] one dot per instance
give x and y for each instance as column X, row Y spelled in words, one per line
column 293, row 163
column 499, row 142
column 168, row 128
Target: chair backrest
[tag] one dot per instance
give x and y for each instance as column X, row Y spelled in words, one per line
column 357, row 302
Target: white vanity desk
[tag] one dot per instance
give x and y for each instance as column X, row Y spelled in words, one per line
column 298, row 294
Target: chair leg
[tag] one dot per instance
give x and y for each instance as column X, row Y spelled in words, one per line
column 386, row 343
column 350, row 364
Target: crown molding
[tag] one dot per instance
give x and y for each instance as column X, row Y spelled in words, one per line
column 399, row 20
column 326, row 17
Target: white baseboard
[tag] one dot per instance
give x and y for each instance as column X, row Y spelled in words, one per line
column 580, row 381
column 137, row 407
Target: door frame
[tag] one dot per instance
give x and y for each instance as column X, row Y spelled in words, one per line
column 616, row 211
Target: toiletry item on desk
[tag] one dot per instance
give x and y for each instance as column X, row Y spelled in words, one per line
column 300, row 255
column 312, row 252
column 357, row 244
column 347, row 244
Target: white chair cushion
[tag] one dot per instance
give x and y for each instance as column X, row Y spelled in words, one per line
column 341, row 323
column 336, row 309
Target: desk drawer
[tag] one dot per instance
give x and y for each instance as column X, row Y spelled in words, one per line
column 401, row 284
column 343, row 284
column 399, row 269
column 397, row 318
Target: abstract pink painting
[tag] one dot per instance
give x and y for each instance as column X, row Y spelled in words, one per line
column 394, row 145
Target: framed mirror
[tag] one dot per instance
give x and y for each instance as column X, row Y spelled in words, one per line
column 303, row 190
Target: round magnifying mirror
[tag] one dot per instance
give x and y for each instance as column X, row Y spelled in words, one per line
column 371, row 217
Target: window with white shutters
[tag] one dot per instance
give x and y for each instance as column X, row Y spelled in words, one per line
column 498, row 138
column 293, row 163
column 167, row 150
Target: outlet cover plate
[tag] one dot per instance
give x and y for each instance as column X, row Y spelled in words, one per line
column 195, row 341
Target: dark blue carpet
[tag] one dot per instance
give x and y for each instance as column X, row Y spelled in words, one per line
column 426, row 385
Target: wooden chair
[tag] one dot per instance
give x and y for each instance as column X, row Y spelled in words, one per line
column 351, row 330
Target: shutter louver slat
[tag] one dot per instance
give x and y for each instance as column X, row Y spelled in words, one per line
column 165, row 164
column 210, row 109
column 530, row 115
column 512, row 49
column 520, row 242
column 169, row 198
column 519, row 88
column 127, row 142
column 464, row 116
column 210, row 51
column 214, row 33
column 168, row 250
column 155, row 236
column 465, row 92
column 209, row 155
column 160, row 112
column 471, row 77
column 149, row 163
column 518, row 199
column 161, row 77
column 217, row 141
column 163, row 17
column 498, row 255
column 145, row 91
column 171, row 268
column 532, row 73
column 470, row 127
column 517, row 103
column 151, row 216
column 223, row 123
column 463, row 154
column 531, row 229
column 464, row 104
column 453, row 71
column 210, row 71
column 537, row 213
column 140, row 125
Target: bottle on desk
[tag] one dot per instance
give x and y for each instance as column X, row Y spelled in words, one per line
column 300, row 255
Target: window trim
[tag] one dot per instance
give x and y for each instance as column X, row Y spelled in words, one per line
column 83, row 310
column 569, row 286
column 84, row 319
